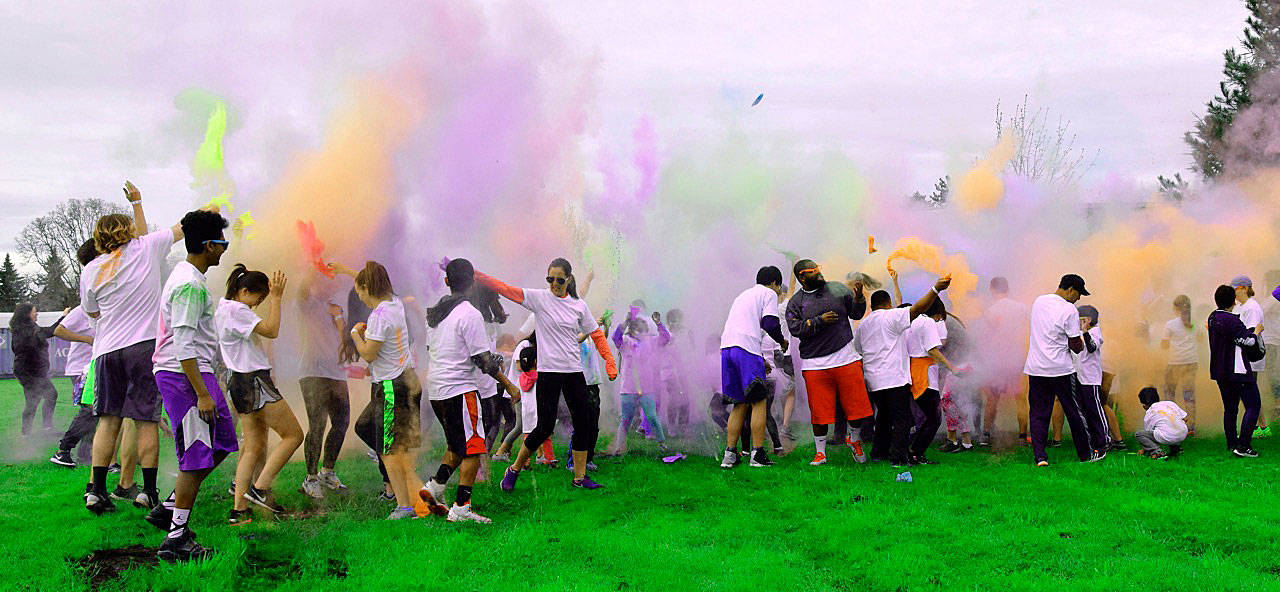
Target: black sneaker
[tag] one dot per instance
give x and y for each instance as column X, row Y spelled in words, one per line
column 160, row 517
column 265, row 499
column 950, row 446
column 1053, row 443
column 1119, row 445
column 182, row 548
column 1245, row 452
column 1175, row 450
column 761, row 459
column 900, row 463
column 147, row 499
column 985, row 440
column 125, row 495
column 63, row 459
column 921, row 459
column 240, row 517
column 113, row 468
column 96, row 502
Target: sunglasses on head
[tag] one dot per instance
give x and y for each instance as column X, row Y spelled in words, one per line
column 814, row 269
column 222, row 242
column 556, row 280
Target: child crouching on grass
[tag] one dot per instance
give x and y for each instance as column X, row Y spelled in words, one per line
column 1164, row 423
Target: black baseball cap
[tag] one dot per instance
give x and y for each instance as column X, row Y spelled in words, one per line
column 1072, row 280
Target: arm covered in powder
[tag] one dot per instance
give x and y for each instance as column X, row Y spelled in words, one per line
column 503, row 289
column 602, row 346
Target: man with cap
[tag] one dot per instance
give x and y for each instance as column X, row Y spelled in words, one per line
column 1050, row 368
column 1250, row 313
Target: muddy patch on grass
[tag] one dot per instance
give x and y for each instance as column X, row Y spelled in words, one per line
column 105, row 565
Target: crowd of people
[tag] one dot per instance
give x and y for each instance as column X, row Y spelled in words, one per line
column 882, row 376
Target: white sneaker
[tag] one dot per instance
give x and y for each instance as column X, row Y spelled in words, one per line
column 431, row 494
column 730, row 460
column 330, row 479
column 859, row 453
column 466, row 514
column 436, row 489
column 311, row 486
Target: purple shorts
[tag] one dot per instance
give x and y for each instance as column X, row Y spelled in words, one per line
column 195, row 440
column 742, row 376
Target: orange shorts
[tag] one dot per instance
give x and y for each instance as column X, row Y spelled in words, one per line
column 919, row 376
column 845, row 382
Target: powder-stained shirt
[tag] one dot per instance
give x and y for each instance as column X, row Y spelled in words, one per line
column 1054, row 322
column 124, row 288
column 388, row 325
column 1182, row 342
column 742, row 327
column 186, row 321
column 241, row 348
column 78, row 354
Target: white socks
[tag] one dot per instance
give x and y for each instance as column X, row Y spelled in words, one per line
column 821, row 443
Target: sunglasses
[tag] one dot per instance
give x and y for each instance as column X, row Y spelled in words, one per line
column 556, row 280
column 814, row 269
column 224, row 243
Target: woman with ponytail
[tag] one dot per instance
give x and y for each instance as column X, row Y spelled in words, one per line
column 253, row 393
column 390, row 423
column 1181, row 340
column 560, row 318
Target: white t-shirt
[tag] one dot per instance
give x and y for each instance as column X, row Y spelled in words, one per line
column 935, row 382
column 922, row 337
column 1182, row 342
column 742, row 328
column 881, row 339
column 186, row 306
column 241, row 349
column 1168, row 421
column 1090, row 370
column 486, row 385
column 450, row 346
column 1053, row 322
column 388, row 325
column 1251, row 315
column 558, row 322
column 78, row 354
column 123, row 287
column 529, row 398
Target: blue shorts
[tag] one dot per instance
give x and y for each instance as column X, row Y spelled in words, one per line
column 742, row 376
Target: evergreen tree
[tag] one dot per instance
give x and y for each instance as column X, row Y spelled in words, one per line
column 54, row 293
column 1210, row 141
column 13, row 287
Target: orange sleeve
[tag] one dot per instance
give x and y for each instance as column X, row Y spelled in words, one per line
column 507, row 291
column 602, row 346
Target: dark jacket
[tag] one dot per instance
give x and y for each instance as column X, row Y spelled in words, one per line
column 817, row 338
column 1226, row 334
column 30, row 344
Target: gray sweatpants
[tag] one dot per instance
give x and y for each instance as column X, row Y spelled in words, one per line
column 1147, row 439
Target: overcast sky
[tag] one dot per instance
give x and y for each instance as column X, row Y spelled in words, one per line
column 910, row 85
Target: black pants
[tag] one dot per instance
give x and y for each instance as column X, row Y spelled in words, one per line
column 37, row 388
column 507, row 410
column 573, row 387
column 82, row 425
column 928, row 404
column 1089, row 396
column 593, row 408
column 1233, row 395
column 893, row 423
column 1041, row 392
column 328, row 404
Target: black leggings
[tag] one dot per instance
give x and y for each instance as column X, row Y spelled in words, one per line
column 328, row 403
column 80, row 432
column 573, row 386
column 928, row 404
column 1233, row 395
column 37, row 389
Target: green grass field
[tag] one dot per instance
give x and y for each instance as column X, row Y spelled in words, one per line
column 979, row 521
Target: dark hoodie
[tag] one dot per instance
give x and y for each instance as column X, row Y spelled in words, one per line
column 1226, row 334
column 30, row 344
column 817, row 338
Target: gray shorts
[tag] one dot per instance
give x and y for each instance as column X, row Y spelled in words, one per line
column 252, row 391
column 124, row 384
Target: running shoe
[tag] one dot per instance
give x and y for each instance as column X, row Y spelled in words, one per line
column 921, row 459
column 97, row 503
column 240, row 517
column 1053, row 443
column 1119, row 445
column 264, row 498
column 1245, row 452
column 431, row 494
column 330, row 480
column 859, row 455
column 731, row 459
column 501, row 457
column 231, row 489
column 125, row 494
column 311, row 486
column 63, row 458
column 761, row 459
column 1097, row 456
column 1261, row 432
column 387, row 496
column 509, row 480
column 818, row 459
column 466, row 514
column 160, row 517
column 1042, row 463
column 777, row 450
column 586, row 483
column 113, row 468
column 182, row 548
column 591, row 465
column 985, row 440
column 950, row 446
column 899, row 463
column 401, row 514
column 1175, row 450
column 1158, row 455
column 146, row 499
